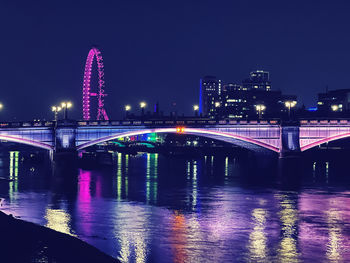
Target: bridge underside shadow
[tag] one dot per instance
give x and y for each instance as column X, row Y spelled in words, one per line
column 318, row 142
column 237, row 142
column 246, row 143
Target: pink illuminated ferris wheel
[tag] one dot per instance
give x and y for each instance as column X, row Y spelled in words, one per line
column 87, row 94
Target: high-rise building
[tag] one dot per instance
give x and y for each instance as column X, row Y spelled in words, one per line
column 209, row 92
column 235, row 101
column 334, row 101
column 259, row 80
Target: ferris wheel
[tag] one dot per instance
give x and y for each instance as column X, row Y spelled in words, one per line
column 99, row 94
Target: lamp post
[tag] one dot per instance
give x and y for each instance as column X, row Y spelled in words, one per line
column 196, row 109
column 127, row 110
column 65, row 106
column 290, row 104
column 335, row 108
column 55, row 110
column 260, row 108
column 143, row 106
column 1, row 106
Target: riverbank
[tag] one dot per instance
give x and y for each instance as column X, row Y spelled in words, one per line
column 27, row 242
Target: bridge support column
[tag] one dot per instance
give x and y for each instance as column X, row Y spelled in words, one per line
column 65, row 133
column 290, row 146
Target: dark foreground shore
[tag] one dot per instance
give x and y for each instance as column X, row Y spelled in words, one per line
column 24, row 242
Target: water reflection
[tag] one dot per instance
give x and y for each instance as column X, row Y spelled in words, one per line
column 324, row 230
column 132, row 235
column 84, row 207
column 179, row 237
column 194, row 184
column 13, row 174
column 287, row 251
column 59, row 220
column 152, row 208
column 126, row 181
column 151, row 178
column 226, row 169
column 119, row 176
column 258, row 251
column 334, row 245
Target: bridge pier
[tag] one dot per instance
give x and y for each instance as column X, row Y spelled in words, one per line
column 64, row 141
column 290, row 146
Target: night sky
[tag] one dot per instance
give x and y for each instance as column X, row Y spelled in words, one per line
column 158, row 50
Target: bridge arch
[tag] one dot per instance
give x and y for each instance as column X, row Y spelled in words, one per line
column 242, row 141
column 324, row 140
column 27, row 142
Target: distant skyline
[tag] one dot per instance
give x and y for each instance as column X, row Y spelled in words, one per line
column 158, row 50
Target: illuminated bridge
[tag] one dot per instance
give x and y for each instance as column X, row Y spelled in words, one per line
column 263, row 135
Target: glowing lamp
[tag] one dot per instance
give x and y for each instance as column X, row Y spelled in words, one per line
column 335, row 107
column 290, row 104
column 180, row 129
column 260, row 107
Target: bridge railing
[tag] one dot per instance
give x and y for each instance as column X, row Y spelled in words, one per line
column 303, row 122
column 22, row 124
column 324, row 122
column 25, row 124
column 176, row 122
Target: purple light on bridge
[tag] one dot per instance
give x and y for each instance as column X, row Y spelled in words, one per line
column 233, row 136
column 26, row 141
column 182, row 130
column 87, row 94
column 305, row 147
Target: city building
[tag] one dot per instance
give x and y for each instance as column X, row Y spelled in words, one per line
column 250, row 100
column 258, row 80
column 234, row 102
column 334, row 101
column 209, row 91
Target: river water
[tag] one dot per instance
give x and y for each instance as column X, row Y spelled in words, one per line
column 152, row 208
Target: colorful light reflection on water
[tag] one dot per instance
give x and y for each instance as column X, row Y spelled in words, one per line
column 150, row 208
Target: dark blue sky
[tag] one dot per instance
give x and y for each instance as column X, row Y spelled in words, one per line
column 158, row 50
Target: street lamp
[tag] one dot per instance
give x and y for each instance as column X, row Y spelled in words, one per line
column 66, row 105
column 127, row 109
column 1, row 106
column 56, row 109
column 335, row 107
column 196, row 109
column 143, row 106
column 290, row 104
column 260, row 108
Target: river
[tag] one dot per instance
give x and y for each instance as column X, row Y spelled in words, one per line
column 154, row 208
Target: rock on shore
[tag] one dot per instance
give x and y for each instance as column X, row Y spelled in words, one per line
column 23, row 242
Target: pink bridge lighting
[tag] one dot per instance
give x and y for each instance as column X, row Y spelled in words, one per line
column 26, row 141
column 87, row 94
column 184, row 130
column 324, row 140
